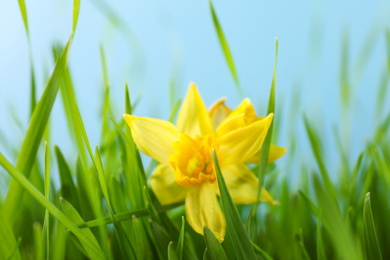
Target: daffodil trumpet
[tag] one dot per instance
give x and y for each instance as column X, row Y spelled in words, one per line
column 186, row 170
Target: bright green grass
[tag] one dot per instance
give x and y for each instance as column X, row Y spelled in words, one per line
column 105, row 209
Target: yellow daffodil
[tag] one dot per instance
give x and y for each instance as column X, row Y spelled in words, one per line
column 186, row 170
column 224, row 119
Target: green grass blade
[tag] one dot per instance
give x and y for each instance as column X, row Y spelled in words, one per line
column 267, row 142
column 321, row 255
column 68, row 188
column 22, row 180
column 339, row 233
column 225, row 49
column 34, row 134
column 388, row 48
column 215, row 249
column 47, row 196
column 75, row 217
column 172, row 252
column 241, row 241
column 9, row 248
column 161, row 237
column 180, row 242
column 299, row 237
column 261, row 252
column 123, row 216
column 76, row 10
column 23, row 11
column 371, row 244
column 315, row 145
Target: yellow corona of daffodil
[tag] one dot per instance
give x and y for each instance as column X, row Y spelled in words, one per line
column 186, row 170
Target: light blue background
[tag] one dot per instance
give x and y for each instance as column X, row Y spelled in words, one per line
column 177, row 40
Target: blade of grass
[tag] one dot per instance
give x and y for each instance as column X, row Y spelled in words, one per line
column 299, row 237
column 123, row 216
column 215, row 249
column 34, row 134
column 22, row 180
column 75, row 217
column 225, row 49
column 241, row 241
column 172, row 252
column 38, row 121
column 321, row 255
column 264, row 153
column 47, row 196
column 9, row 248
column 371, row 244
column 180, row 242
column 315, row 145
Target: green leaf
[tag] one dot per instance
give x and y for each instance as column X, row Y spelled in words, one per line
column 180, row 242
column 315, row 145
column 225, row 49
column 241, row 241
column 321, row 255
column 76, row 10
column 123, row 216
column 75, row 217
column 161, row 238
column 371, row 244
column 299, row 237
column 47, row 195
column 339, row 232
column 139, row 239
column 9, row 248
column 34, row 134
column 68, row 188
column 22, row 6
column 261, row 252
column 93, row 248
column 172, row 252
column 215, row 249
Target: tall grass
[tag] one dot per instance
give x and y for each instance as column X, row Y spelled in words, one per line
column 104, row 208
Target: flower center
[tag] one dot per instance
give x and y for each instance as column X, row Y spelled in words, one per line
column 193, row 160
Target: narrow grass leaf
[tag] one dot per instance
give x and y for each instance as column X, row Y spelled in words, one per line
column 68, row 188
column 371, row 244
column 47, row 195
column 9, row 247
column 241, row 241
column 332, row 220
column 315, row 145
column 24, row 182
column 161, row 237
column 180, row 242
column 215, row 249
column 299, row 237
column 75, row 217
column 261, row 252
column 321, row 255
column 225, row 49
column 34, row 133
column 172, row 252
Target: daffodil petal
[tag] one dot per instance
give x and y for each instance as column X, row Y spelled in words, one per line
column 165, row 187
column 154, row 137
column 242, row 144
column 193, row 118
column 243, row 185
column 219, row 111
column 242, row 116
column 245, row 106
column 275, row 152
column 202, row 209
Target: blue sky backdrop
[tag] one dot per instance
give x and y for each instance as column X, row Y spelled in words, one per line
column 151, row 43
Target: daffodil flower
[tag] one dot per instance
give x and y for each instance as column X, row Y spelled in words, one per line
column 186, row 170
column 224, row 120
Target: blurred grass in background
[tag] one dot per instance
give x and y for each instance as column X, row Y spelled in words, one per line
column 99, row 205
